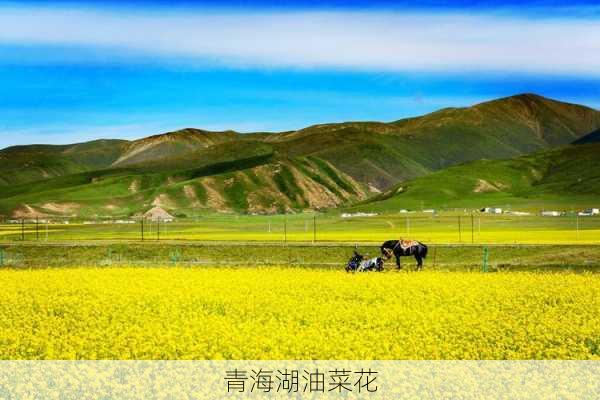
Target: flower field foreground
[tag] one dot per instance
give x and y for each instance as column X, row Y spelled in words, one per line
column 270, row 313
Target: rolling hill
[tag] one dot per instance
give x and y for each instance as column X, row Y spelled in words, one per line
column 20, row 164
column 566, row 177
column 321, row 166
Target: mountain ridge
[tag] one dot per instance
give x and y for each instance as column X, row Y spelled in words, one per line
column 319, row 166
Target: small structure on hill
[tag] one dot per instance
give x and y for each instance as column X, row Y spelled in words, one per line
column 158, row 214
column 589, row 212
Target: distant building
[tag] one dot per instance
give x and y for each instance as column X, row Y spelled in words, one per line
column 158, row 214
column 429, row 211
column 492, row 210
column 589, row 212
column 551, row 213
column 358, row 214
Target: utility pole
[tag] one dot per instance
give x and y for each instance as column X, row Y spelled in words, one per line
column 459, row 231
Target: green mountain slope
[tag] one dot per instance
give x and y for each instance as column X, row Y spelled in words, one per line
column 320, row 166
column 564, row 177
column 257, row 185
column 21, row 164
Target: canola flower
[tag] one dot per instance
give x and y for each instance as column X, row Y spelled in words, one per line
column 272, row 313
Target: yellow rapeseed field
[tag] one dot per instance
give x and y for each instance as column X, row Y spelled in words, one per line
column 272, row 313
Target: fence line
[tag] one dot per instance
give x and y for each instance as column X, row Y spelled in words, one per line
column 288, row 229
column 453, row 257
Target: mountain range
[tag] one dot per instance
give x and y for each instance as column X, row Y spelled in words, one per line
column 322, row 166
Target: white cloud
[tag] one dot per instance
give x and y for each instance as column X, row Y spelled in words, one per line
column 335, row 39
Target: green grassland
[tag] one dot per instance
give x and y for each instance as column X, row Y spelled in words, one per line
column 530, row 258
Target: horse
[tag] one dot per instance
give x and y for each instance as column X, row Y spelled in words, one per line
column 400, row 248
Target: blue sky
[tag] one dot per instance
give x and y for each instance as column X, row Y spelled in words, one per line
column 76, row 71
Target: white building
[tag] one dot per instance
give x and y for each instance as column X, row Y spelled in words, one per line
column 520, row 213
column 492, row 210
column 551, row 213
column 359, row 214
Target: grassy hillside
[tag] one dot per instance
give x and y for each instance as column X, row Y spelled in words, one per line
column 257, row 184
column 566, row 177
column 316, row 167
column 21, row 164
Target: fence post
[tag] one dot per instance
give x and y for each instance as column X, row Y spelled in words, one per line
column 175, row 256
column 472, row 229
column 484, row 267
